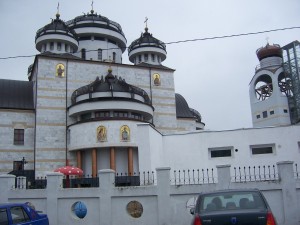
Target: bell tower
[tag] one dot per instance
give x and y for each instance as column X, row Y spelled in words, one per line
column 269, row 89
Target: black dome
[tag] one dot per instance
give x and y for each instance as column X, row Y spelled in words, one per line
column 56, row 26
column 182, row 108
column 92, row 20
column 146, row 40
column 110, row 84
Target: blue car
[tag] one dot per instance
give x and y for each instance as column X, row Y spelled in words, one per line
column 21, row 213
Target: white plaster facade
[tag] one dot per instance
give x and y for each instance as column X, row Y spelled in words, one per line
column 56, row 131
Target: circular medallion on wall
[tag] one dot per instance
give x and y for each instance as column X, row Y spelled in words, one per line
column 79, row 210
column 135, row 209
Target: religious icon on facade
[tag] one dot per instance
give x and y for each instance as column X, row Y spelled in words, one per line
column 101, row 134
column 125, row 133
column 60, row 70
column 156, row 79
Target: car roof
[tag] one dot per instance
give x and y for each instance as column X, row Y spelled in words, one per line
column 2, row 205
column 230, row 190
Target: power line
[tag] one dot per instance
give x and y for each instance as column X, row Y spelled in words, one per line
column 232, row 35
column 182, row 41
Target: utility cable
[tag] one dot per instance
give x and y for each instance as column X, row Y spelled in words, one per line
column 177, row 42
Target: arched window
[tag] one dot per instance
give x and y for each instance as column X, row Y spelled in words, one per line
column 114, row 56
column 83, row 53
column 100, row 54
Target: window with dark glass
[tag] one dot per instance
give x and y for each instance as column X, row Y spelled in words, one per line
column 18, row 136
column 261, row 150
column 114, row 56
column 265, row 114
column 18, row 215
column 153, row 57
column 51, row 45
column 100, row 54
column 136, row 116
column 120, row 114
column 83, row 53
column 140, row 58
column 257, row 116
column 102, row 114
column 85, row 116
column 58, row 46
column 3, row 217
column 220, row 153
column 146, row 57
column 272, row 112
column 285, row 111
column 66, row 48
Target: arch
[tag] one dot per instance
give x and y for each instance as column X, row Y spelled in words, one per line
column 263, row 87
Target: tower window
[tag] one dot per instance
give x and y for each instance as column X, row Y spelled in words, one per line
column 285, row 111
column 114, row 56
column 66, row 48
column 100, row 54
column 58, row 46
column 153, row 57
column 140, row 58
column 51, row 45
column 265, row 114
column 146, row 57
column 258, row 116
column 18, row 136
column 43, row 48
column 272, row 112
column 83, row 55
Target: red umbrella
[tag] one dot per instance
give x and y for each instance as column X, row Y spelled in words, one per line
column 69, row 170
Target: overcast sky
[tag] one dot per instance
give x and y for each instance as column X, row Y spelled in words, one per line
column 212, row 75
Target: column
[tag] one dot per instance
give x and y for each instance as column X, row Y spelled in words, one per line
column 94, row 162
column 130, row 161
column 112, row 159
column 79, row 160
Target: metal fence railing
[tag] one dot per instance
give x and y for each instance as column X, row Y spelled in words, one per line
column 193, row 176
column 255, row 173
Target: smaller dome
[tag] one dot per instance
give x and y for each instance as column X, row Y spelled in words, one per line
column 146, row 44
column 56, row 31
column 146, row 39
column 269, row 51
column 56, row 26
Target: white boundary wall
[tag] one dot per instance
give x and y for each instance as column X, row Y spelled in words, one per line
column 162, row 203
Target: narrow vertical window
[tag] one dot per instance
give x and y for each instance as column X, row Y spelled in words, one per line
column 140, row 58
column 18, row 136
column 100, row 54
column 146, row 57
column 51, row 45
column 83, row 53
column 114, row 56
column 58, row 46
column 66, row 48
column 153, row 57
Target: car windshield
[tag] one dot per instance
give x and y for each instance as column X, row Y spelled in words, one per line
column 232, row 201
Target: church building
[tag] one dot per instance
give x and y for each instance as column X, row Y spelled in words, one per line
column 82, row 106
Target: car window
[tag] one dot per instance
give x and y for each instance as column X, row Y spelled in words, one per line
column 18, row 215
column 232, row 201
column 3, row 217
